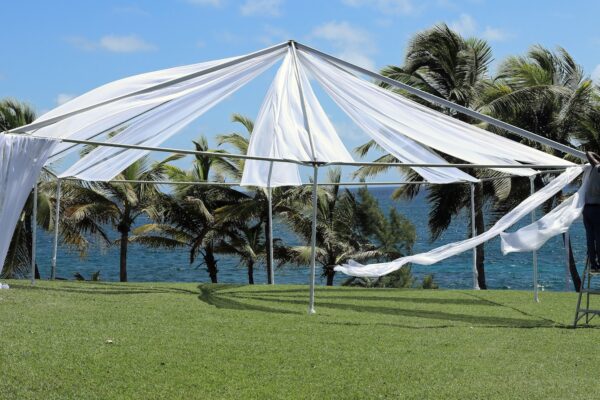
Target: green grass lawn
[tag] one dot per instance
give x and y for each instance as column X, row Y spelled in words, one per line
column 187, row 341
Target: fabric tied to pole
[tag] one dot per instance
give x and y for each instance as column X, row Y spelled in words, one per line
column 431, row 257
column 21, row 160
column 557, row 221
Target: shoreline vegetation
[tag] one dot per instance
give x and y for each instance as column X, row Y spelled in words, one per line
column 543, row 91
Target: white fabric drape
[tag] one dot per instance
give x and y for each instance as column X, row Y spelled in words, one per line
column 156, row 126
column 88, row 124
column 280, row 130
column 397, row 122
column 523, row 209
column 21, row 160
column 557, row 221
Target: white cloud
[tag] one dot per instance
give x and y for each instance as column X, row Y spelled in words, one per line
column 62, row 98
column 351, row 43
column 112, row 43
column 596, row 74
column 131, row 11
column 125, row 44
column 467, row 26
column 268, row 8
column 212, row 3
column 398, row 7
column 81, row 43
column 495, row 34
column 272, row 35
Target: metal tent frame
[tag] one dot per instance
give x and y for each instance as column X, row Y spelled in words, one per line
column 312, row 163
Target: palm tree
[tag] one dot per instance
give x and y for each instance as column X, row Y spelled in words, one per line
column 256, row 205
column 90, row 205
column 441, row 62
column 393, row 236
column 547, row 93
column 187, row 219
column 244, row 241
column 342, row 232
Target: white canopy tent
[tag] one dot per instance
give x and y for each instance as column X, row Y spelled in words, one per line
column 292, row 129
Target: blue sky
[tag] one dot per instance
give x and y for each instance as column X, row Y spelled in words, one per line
column 54, row 50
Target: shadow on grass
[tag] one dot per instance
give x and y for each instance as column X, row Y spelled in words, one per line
column 113, row 289
column 215, row 296
column 238, row 300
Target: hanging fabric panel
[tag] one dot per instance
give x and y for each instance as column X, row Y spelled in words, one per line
column 557, row 221
column 88, row 124
column 156, row 126
column 380, row 110
column 441, row 253
column 280, row 130
column 21, row 160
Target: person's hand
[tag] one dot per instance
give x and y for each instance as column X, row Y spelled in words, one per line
column 593, row 158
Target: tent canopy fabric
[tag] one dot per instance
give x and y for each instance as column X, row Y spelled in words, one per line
column 147, row 109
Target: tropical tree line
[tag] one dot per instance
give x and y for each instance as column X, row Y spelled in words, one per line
column 544, row 91
column 208, row 220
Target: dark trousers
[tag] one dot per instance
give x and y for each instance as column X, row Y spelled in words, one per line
column 591, row 221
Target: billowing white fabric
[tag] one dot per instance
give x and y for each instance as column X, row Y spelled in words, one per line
column 280, row 130
column 523, row 209
column 21, row 160
column 88, row 124
column 391, row 118
column 156, row 126
column 557, row 221
column 403, row 148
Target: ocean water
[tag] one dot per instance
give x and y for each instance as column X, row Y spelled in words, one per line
column 513, row 271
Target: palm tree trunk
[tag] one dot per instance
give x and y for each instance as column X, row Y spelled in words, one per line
column 123, row 256
column 480, row 228
column 251, row 272
column 268, row 248
column 575, row 277
column 211, row 263
column 329, row 273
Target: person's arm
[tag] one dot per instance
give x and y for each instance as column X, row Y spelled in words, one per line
column 593, row 158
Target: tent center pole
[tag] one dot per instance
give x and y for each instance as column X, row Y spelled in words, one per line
column 313, row 241
column 536, row 297
column 473, row 234
column 56, row 224
column 270, row 205
column 34, row 232
column 567, row 260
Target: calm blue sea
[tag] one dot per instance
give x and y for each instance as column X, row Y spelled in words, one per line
column 502, row 272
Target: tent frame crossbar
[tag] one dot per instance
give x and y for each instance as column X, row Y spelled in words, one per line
column 307, row 163
column 314, row 184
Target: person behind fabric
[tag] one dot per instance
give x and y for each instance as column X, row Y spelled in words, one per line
column 591, row 212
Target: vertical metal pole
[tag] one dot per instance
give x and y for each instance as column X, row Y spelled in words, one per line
column 56, row 220
column 311, row 305
column 34, row 232
column 567, row 260
column 536, row 297
column 270, row 200
column 473, row 234
column 313, row 242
